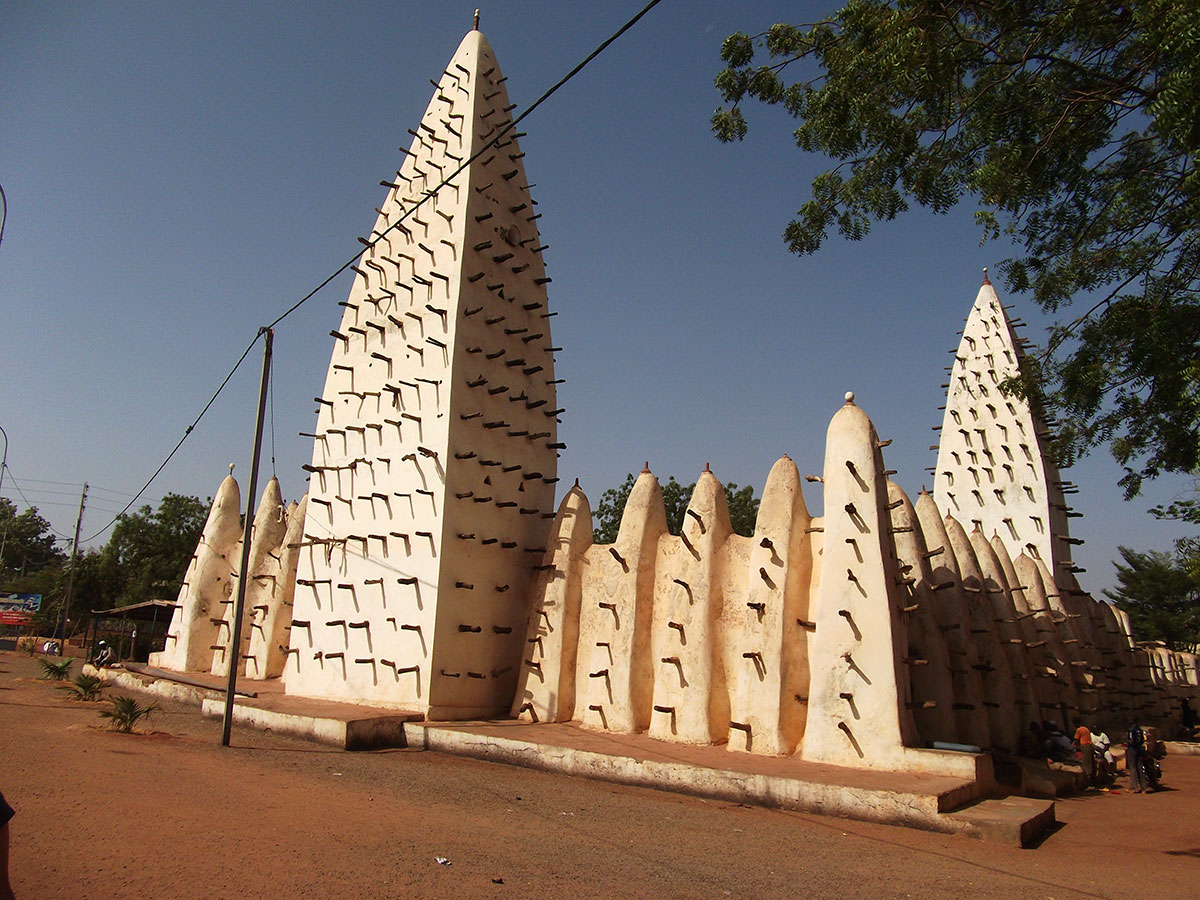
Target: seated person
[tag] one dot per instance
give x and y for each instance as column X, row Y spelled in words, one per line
column 104, row 656
column 1057, row 747
column 1106, row 764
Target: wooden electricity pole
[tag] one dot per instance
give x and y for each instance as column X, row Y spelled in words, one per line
column 235, row 636
column 71, row 573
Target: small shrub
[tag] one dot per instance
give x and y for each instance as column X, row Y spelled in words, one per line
column 84, row 687
column 55, row 669
column 126, row 712
column 27, row 646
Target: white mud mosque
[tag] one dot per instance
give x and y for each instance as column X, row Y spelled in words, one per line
column 428, row 570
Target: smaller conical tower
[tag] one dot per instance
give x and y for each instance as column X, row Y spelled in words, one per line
column 993, row 470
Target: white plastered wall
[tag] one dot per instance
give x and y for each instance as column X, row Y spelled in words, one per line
column 207, row 586
column 266, row 536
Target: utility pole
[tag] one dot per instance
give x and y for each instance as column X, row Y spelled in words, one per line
column 4, row 459
column 235, row 637
column 71, row 574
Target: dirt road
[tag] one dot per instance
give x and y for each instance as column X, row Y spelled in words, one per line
column 172, row 814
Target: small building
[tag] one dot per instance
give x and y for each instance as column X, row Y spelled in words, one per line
column 134, row 631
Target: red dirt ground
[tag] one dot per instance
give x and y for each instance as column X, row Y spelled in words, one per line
column 173, row 814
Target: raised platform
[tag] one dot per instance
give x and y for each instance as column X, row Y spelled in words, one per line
column 954, row 804
column 929, row 802
column 345, row 725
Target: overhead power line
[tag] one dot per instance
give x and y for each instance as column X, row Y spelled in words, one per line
column 37, row 491
column 346, row 265
column 96, row 487
column 495, row 139
column 38, row 504
column 186, row 433
column 17, row 485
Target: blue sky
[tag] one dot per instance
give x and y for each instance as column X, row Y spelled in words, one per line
column 179, row 174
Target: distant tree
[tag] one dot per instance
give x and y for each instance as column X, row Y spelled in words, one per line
column 1185, row 509
column 1161, row 596
column 1074, row 125
column 149, row 550
column 98, row 582
column 27, row 544
column 743, row 508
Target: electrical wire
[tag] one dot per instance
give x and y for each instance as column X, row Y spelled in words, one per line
column 186, row 433
column 353, row 259
column 428, row 195
column 36, row 491
column 17, row 485
column 95, row 487
column 38, row 504
column 48, row 481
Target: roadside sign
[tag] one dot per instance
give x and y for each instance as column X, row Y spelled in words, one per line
column 18, row 609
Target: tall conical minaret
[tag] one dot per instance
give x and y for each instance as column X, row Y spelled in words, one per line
column 992, row 467
column 435, row 452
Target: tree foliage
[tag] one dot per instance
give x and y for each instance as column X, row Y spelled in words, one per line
column 28, row 544
column 31, row 561
column 145, row 558
column 743, row 508
column 148, row 552
column 1075, row 126
column 1162, row 597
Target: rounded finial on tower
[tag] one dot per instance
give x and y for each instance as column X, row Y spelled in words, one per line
column 646, row 467
column 707, row 469
column 849, row 396
column 231, row 468
column 985, row 276
column 576, row 482
column 475, row 26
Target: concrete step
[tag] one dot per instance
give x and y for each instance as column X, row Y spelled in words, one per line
column 1016, row 821
column 891, row 798
column 1040, row 778
column 345, row 725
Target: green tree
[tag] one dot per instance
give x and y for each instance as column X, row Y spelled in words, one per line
column 98, row 582
column 1161, row 596
column 1185, row 509
column 1075, row 126
column 743, row 508
column 148, row 553
column 31, row 561
column 27, row 544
